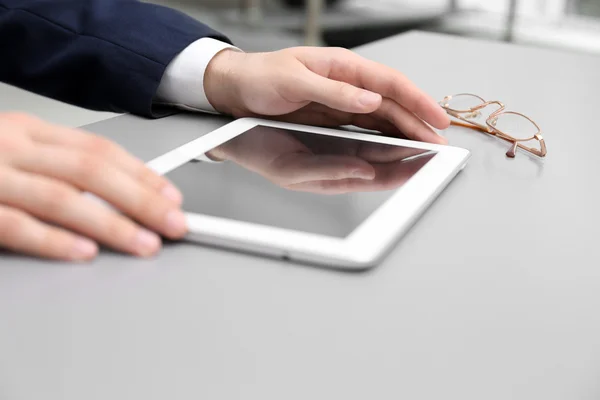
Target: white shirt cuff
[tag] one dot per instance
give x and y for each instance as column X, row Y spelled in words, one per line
column 182, row 84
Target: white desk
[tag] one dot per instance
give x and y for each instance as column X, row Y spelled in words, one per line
column 494, row 294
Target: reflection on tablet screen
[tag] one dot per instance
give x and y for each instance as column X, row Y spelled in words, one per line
column 297, row 180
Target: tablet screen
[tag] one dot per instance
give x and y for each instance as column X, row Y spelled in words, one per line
column 296, row 180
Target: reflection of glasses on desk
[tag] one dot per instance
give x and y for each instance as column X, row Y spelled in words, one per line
column 510, row 126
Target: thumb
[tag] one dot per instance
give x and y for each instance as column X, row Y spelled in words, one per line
column 339, row 95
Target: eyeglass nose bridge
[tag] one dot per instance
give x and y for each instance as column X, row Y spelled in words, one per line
column 478, row 108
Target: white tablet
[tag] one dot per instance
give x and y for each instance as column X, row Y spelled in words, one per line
column 322, row 196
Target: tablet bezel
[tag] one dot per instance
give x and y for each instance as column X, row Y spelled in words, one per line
column 361, row 248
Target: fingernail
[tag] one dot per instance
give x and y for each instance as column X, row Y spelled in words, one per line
column 146, row 243
column 176, row 224
column 170, row 192
column 369, row 98
column 83, row 249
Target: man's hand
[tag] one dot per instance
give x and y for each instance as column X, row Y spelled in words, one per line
column 322, row 86
column 44, row 170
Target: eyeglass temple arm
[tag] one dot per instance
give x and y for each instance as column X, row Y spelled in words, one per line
column 537, row 152
column 467, row 125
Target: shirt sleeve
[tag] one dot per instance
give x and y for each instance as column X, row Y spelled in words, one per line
column 182, row 84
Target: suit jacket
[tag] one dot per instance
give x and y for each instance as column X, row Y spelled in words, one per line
column 107, row 55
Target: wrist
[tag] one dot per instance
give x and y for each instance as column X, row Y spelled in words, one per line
column 221, row 81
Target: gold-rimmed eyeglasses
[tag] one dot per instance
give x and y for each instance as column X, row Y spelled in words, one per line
column 471, row 111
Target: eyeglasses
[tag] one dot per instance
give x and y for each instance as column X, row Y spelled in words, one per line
column 512, row 127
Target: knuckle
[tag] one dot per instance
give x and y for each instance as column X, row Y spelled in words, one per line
column 346, row 90
column 119, row 229
column 150, row 178
column 88, row 166
column 151, row 207
column 344, row 60
column 397, row 93
column 421, row 103
column 99, row 146
column 56, row 198
column 400, row 92
column 54, row 243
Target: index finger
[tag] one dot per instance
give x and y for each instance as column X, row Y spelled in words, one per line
column 394, row 85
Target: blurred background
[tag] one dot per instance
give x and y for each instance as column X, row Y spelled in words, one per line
column 259, row 25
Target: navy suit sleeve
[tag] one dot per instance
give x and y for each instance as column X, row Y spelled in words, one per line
column 107, row 55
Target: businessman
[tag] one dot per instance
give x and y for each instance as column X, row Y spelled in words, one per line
column 129, row 56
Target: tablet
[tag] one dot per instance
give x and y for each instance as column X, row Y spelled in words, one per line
column 336, row 198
